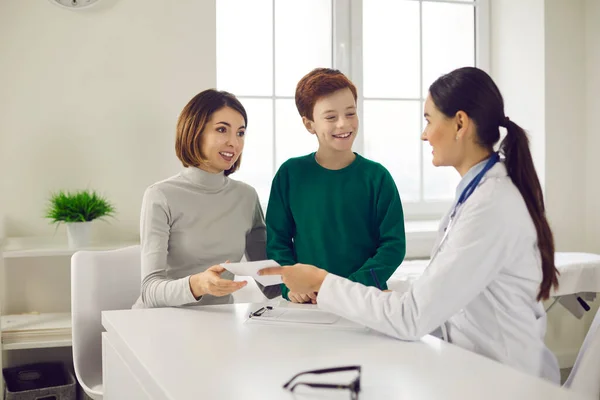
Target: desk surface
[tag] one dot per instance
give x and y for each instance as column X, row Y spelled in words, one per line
column 210, row 352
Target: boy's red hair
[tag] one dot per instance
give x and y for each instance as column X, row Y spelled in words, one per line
column 318, row 83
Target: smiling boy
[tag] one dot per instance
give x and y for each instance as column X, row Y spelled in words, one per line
column 334, row 208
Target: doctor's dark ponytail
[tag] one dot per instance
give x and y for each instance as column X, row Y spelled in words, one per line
column 473, row 91
column 521, row 170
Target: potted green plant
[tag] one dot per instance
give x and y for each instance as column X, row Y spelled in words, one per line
column 77, row 210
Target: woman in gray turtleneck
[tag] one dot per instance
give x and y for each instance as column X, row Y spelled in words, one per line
column 200, row 218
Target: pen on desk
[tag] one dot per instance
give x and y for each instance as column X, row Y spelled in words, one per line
column 374, row 275
column 260, row 311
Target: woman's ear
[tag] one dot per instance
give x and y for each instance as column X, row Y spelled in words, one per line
column 309, row 125
column 461, row 124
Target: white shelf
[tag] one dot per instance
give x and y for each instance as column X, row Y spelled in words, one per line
column 38, row 344
column 34, row 331
column 42, row 246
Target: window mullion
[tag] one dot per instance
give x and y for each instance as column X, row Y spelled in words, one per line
column 347, row 51
column 421, row 160
column 273, row 102
column 482, row 35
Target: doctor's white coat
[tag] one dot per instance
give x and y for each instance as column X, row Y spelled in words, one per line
column 481, row 286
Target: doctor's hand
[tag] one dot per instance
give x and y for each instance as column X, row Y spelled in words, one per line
column 210, row 282
column 302, row 297
column 300, row 278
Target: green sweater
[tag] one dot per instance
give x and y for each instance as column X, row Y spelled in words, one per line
column 349, row 221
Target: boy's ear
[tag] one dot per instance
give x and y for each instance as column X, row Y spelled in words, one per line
column 309, row 125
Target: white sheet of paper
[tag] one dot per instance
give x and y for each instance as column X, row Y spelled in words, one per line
column 251, row 269
column 299, row 316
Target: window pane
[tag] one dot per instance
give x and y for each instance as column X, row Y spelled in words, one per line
column 392, row 136
column 391, row 48
column 293, row 139
column 257, row 159
column 448, row 39
column 439, row 183
column 303, row 34
column 245, row 47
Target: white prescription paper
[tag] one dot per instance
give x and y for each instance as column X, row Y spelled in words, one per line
column 251, row 269
column 293, row 315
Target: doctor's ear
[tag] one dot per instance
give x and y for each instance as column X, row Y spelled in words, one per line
column 462, row 122
column 309, row 125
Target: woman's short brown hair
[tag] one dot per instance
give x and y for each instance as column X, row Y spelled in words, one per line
column 192, row 121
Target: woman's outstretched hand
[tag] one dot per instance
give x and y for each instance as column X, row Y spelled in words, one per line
column 210, row 282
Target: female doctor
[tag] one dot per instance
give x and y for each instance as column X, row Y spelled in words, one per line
column 493, row 260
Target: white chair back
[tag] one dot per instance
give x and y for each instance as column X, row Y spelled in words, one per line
column 585, row 375
column 100, row 281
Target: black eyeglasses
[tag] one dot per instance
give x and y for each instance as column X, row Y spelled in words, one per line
column 353, row 386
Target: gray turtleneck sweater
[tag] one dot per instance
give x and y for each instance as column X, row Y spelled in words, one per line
column 190, row 222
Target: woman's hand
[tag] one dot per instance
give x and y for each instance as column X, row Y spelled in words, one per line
column 210, row 282
column 302, row 297
column 300, row 278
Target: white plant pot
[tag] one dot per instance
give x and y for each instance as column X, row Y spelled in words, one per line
column 78, row 234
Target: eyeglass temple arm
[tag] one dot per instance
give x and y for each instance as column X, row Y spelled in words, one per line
column 320, row 385
column 323, row 371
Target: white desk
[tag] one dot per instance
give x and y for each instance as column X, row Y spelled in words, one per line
column 579, row 276
column 579, row 272
column 210, row 353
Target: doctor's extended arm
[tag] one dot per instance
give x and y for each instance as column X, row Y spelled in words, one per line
column 470, row 259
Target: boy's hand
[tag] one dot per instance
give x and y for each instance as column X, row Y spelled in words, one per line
column 302, row 297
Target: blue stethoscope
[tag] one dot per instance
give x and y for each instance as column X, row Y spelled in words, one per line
column 466, row 193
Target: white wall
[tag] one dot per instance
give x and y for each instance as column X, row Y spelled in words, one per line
column 565, row 154
column 538, row 59
column 89, row 99
column 565, row 121
column 517, row 66
column 592, row 101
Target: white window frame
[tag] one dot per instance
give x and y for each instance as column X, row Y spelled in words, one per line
column 347, row 57
column 347, row 50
